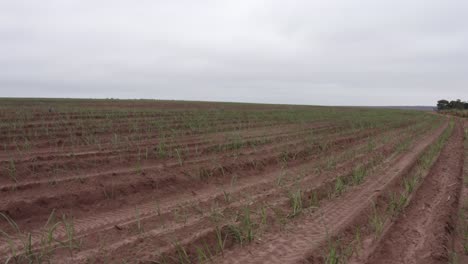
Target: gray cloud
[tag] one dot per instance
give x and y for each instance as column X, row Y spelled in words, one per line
column 313, row 52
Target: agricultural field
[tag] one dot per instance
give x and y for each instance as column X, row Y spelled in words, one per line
column 147, row 181
column 455, row 112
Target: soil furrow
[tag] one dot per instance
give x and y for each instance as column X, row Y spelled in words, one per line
column 129, row 215
column 313, row 230
column 423, row 233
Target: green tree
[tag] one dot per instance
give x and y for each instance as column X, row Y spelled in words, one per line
column 458, row 104
column 443, row 104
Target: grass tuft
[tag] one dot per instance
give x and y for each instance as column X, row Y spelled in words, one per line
column 295, row 200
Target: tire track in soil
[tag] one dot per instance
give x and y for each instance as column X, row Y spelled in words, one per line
column 311, row 231
column 423, row 233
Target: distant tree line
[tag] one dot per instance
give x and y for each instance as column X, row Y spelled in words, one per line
column 454, row 104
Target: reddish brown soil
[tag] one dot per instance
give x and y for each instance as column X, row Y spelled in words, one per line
column 460, row 241
column 332, row 217
column 129, row 203
column 423, row 234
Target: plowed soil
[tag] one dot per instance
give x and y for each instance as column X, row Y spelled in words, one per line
column 116, row 181
column 424, row 232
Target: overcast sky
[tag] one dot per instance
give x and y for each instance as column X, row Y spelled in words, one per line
column 367, row 52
